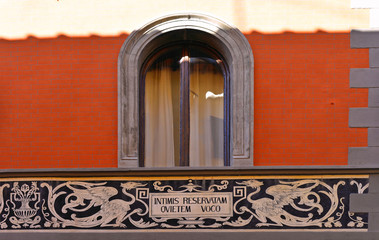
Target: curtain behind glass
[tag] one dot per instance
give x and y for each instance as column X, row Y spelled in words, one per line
column 160, row 120
column 162, row 113
column 206, row 113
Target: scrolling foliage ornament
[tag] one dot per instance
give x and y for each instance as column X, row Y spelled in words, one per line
column 308, row 203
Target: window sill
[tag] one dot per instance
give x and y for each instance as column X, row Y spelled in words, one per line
column 189, row 171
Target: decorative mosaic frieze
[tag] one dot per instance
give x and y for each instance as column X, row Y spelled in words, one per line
column 205, row 203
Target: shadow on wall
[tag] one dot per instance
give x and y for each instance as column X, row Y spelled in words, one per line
column 58, row 100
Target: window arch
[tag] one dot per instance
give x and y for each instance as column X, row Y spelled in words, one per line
column 209, row 32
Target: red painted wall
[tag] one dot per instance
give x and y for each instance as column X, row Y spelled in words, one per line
column 58, row 100
column 302, row 98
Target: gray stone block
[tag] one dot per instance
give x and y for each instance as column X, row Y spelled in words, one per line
column 364, row 77
column 373, row 222
column 373, row 137
column 374, row 57
column 364, row 38
column 373, row 97
column 364, row 203
column 364, row 117
column 364, row 156
column 374, row 183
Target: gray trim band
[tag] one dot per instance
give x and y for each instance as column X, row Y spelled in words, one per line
column 192, row 235
column 230, row 171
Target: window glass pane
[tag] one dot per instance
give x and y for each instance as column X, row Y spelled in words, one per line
column 206, row 112
column 162, row 109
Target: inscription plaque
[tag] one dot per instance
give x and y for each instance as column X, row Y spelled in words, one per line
column 191, row 204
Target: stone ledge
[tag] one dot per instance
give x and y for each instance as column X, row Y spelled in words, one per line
column 189, row 171
column 364, row 38
column 191, row 235
column 364, row 77
column 364, row 117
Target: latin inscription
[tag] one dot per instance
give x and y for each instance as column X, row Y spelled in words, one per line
column 190, row 204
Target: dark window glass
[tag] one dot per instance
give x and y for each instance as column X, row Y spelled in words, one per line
column 184, row 107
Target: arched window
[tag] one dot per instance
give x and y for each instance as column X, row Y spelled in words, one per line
column 186, row 94
column 184, row 108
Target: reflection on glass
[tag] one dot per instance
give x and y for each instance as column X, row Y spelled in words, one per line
column 206, row 113
column 210, row 94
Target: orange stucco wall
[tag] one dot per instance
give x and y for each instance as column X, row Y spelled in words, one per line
column 58, row 100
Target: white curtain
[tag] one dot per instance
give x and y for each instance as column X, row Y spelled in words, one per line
column 162, row 106
column 206, row 116
column 159, row 124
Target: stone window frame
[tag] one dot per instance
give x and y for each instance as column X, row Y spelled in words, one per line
column 227, row 40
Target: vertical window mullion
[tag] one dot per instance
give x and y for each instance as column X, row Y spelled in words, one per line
column 184, row 108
